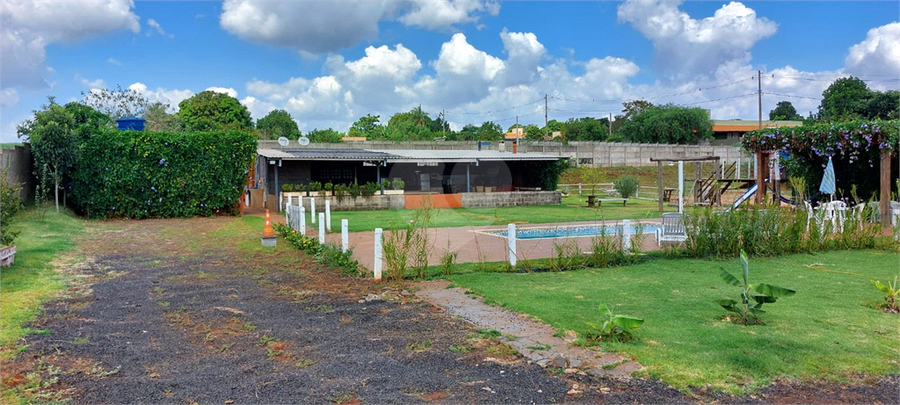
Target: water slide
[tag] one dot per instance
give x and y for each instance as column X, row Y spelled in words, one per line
column 750, row 192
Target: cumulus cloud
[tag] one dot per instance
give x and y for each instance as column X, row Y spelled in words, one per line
column 877, row 54
column 29, row 26
column 437, row 14
column 686, row 47
column 92, row 84
column 226, row 90
column 168, row 96
column 8, row 97
column 524, row 54
column 326, row 26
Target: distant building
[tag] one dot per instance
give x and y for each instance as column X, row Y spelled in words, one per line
column 735, row 129
column 515, row 133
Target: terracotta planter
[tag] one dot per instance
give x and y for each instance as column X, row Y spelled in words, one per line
column 7, row 255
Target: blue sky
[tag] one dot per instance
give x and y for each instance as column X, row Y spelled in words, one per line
column 330, row 62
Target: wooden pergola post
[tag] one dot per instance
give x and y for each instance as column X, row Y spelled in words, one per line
column 762, row 167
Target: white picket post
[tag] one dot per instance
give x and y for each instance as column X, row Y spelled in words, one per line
column 626, row 236
column 511, row 243
column 302, row 221
column 328, row 215
column 345, row 236
column 378, row 252
column 321, row 228
column 312, row 209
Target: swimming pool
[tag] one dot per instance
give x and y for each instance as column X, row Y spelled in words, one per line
column 570, row 231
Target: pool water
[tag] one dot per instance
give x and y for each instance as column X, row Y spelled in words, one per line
column 570, row 231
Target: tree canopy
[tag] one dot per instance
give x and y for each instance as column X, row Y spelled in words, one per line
column 668, row 124
column 784, row 111
column 277, row 123
column 117, row 103
column 324, row 136
column 849, row 98
column 366, row 126
column 586, row 129
column 213, row 111
column 52, row 134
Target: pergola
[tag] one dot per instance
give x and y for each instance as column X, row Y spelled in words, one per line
column 852, row 137
column 659, row 176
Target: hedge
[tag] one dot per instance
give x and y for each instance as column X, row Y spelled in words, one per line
column 135, row 174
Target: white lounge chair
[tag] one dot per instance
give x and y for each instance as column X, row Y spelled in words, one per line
column 671, row 229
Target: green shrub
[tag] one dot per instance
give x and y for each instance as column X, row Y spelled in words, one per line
column 398, row 184
column 132, row 174
column 627, row 186
column 744, row 311
column 315, row 186
column 612, row 327
column 9, row 206
column 327, row 254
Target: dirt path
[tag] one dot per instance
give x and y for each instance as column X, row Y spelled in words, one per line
column 192, row 311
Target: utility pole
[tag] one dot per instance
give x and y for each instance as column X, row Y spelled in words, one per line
column 759, row 95
column 546, row 130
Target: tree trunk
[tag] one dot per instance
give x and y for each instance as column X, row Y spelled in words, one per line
column 56, row 191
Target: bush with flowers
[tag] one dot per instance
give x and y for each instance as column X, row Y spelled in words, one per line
column 854, row 146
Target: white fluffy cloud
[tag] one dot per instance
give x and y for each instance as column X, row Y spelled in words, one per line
column 878, row 54
column 436, row 14
column 686, row 47
column 29, row 26
column 168, row 96
column 317, row 27
column 225, row 90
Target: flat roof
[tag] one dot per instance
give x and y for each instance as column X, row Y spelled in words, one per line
column 401, row 155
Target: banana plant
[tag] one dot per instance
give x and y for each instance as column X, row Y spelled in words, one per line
column 891, row 292
column 615, row 327
column 753, row 296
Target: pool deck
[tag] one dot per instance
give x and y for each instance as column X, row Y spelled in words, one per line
column 474, row 245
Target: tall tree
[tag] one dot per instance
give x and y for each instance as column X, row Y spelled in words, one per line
column 585, row 129
column 277, row 123
column 117, row 103
column 213, row 111
column 784, row 111
column 157, row 118
column 634, row 107
column 884, row 105
column 668, row 124
column 366, row 127
column 52, row 136
column 87, row 120
column 324, row 136
column 846, row 98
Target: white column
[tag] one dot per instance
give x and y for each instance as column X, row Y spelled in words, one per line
column 321, row 228
column 626, row 235
column 302, row 221
column 377, row 267
column 312, row 209
column 680, row 186
column 328, row 215
column 345, row 236
column 511, row 244
column 737, row 173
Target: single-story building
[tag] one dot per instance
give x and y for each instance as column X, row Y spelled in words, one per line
column 735, row 129
column 434, row 172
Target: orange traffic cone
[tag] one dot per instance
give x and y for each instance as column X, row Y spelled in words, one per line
column 267, row 229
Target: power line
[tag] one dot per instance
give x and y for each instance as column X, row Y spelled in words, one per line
column 791, row 96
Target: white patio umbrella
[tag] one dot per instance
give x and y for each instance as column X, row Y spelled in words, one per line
column 828, row 181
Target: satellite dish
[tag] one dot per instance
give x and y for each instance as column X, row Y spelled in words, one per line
column 283, row 141
column 303, row 141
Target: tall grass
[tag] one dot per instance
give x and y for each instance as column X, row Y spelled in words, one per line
column 772, row 231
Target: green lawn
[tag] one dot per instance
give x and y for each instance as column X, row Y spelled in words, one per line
column 830, row 329
column 31, row 280
column 573, row 208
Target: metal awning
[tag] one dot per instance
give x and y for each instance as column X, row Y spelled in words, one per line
column 402, row 155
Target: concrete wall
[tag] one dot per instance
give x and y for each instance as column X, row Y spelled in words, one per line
column 511, row 199
column 597, row 154
column 19, row 165
column 396, row 202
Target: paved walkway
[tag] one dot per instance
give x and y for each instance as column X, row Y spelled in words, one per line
column 532, row 339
